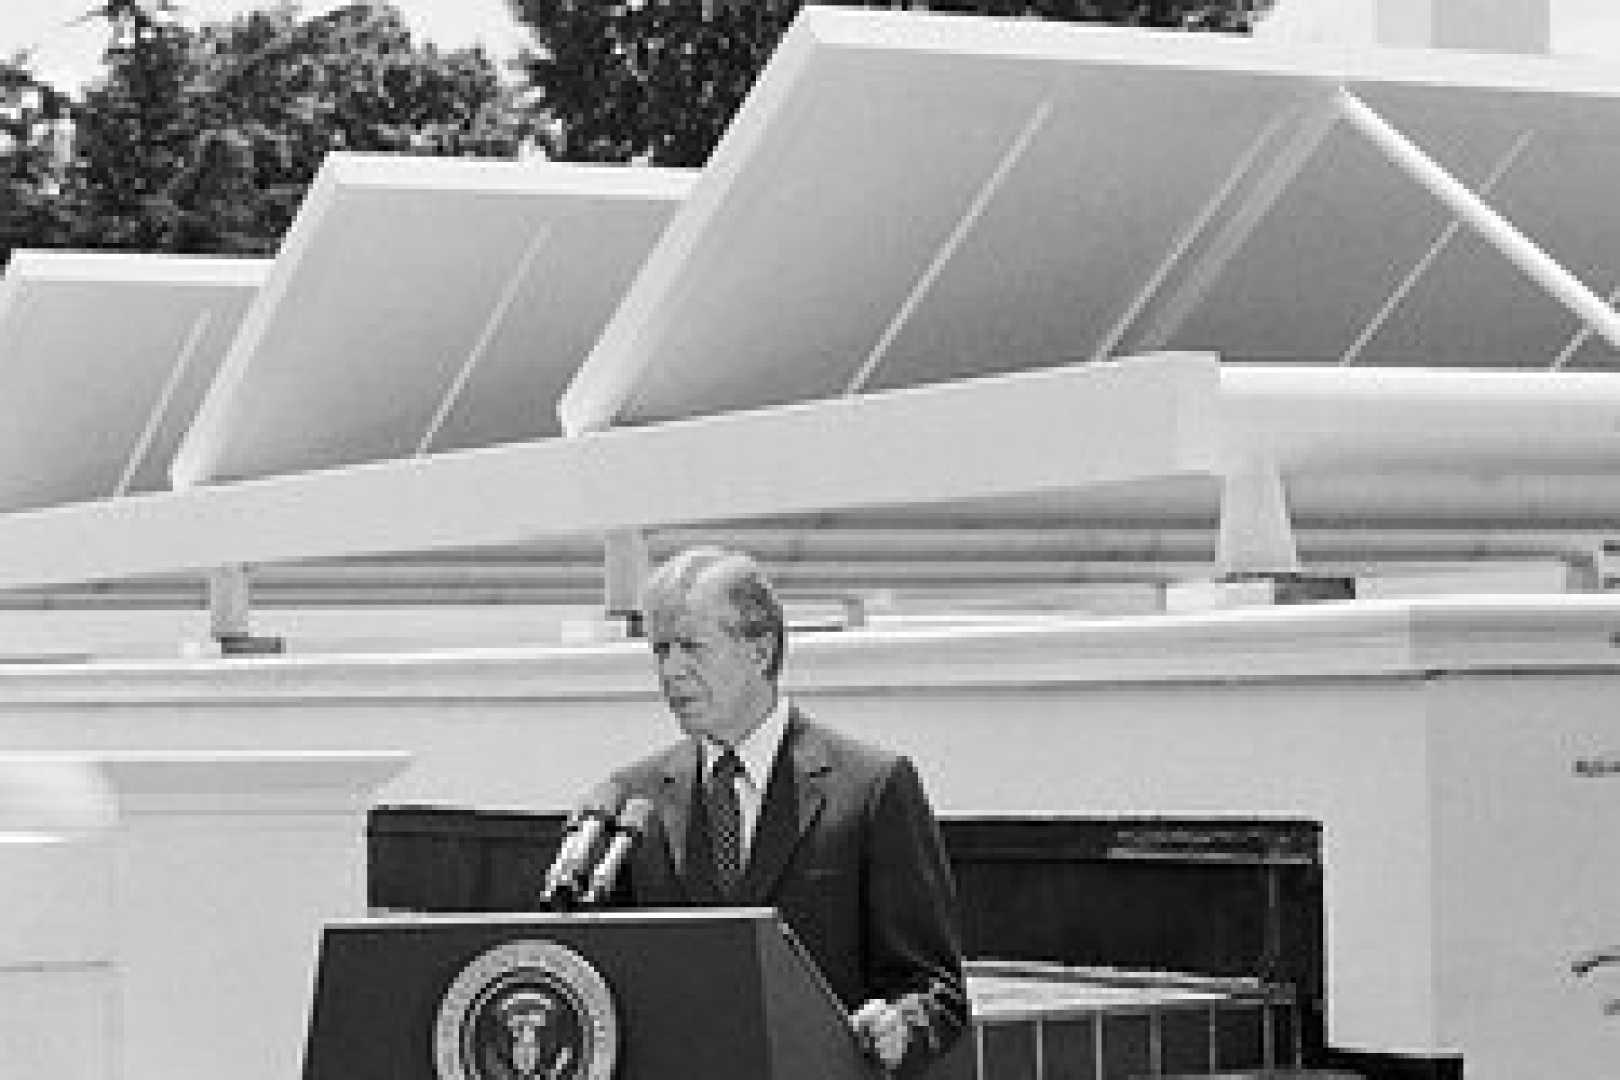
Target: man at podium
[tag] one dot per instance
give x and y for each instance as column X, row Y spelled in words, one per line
column 761, row 806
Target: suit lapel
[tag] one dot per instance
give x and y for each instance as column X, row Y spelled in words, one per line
column 675, row 808
column 794, row 797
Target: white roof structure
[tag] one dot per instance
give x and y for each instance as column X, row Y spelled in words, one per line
column 1377, row 278
column 103, row 359
column 1057, row 430
column 423, row 304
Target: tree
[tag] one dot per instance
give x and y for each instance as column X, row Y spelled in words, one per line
column 205, row 140
column 131, row 133
column 659, row 80
column 33, row 121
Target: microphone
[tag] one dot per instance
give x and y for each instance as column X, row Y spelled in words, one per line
column 627, row 830
column 589, row 820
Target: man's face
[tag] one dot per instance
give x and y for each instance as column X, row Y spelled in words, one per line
column 713, row 681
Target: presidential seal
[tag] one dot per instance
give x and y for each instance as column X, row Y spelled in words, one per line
column 527, row 1010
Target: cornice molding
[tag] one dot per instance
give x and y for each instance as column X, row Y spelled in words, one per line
column 1326, row 641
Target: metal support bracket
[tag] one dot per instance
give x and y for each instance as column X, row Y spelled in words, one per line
column 1256, row 534
column 626, row 565
column 1496, row 230
column 230, row 614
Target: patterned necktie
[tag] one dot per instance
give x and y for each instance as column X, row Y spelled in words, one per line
column 725, row 820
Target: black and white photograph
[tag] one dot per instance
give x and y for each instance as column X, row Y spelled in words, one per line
column 764, row 540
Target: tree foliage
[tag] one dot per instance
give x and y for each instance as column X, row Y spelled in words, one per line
column 33, row 136
column 658, row 80
column 204, row 139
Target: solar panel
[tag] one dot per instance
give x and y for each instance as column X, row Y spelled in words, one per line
column 908, row 199
column 425, row 304
column 905, row 202
column 103, row 359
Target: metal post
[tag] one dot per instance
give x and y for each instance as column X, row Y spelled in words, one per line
column 1578, row 339
column 230, row 611
column 228, row 603
column 1414, row 275
column 625, row 567
column 1496, row 230
column 1256, row 535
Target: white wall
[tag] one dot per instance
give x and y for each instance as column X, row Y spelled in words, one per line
column 1348, row 753
column 1526, row 870
column 55, row 961
column 1431, row 738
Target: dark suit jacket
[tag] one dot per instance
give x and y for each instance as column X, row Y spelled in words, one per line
column 847, row 849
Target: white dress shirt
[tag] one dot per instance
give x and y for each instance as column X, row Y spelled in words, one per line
column 757, row 752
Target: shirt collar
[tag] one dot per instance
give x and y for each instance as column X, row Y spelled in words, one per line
column 758, row 748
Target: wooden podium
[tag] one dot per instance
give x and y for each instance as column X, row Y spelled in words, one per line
column 705, row 994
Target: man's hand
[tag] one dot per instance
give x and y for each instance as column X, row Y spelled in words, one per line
column 881, row 1028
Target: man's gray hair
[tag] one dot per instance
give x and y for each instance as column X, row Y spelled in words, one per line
column 757, row 613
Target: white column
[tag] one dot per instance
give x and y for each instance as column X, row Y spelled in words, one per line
column 224, row 867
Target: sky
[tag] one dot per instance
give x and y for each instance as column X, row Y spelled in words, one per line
column 66, row 55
